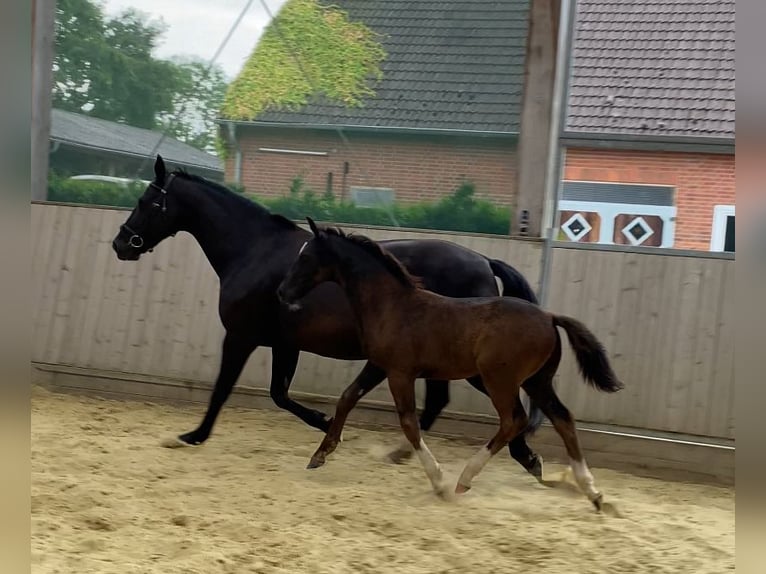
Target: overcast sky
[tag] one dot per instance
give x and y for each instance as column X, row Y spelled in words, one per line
column 197, row 27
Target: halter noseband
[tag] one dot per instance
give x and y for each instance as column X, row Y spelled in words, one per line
column 135, row 240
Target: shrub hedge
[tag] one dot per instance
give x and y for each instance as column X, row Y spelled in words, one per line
column 459, row 211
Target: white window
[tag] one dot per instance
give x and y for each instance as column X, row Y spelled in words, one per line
column 617, row 213
column 722, row 238
column 372, row 196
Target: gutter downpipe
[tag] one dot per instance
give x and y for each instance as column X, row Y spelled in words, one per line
column 232, row 129
column 556, row 155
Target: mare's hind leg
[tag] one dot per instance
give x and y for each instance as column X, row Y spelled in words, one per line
column 437, row 397
column 513, row 420
column 564, row 423
column 403, row 390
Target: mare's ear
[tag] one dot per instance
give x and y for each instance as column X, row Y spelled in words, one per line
column 159, row 169
column 313, row 226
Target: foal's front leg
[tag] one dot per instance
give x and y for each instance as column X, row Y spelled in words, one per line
column 369, row 378
column 437, row 397
column 403, row 390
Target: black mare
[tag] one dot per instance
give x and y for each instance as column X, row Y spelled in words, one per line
column 252, row 250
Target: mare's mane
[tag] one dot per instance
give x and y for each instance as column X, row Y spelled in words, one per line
column 223, row 190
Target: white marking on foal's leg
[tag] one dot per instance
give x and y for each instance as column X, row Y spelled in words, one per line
column 584, row 478
column 431, row 465
column 474, row 466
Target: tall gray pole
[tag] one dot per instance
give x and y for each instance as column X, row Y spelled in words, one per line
column 537, row 103
column 556, row 153
column 43, row 31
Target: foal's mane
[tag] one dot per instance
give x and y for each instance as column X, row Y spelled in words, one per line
column 222, row 189
column 389, row 262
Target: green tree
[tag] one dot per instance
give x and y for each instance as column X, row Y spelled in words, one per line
column 196, row 103
column 105, row 67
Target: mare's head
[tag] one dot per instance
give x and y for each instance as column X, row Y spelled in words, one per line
column 155, row 217
column 331, row 255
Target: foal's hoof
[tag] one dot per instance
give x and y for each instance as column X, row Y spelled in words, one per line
column 443, row 491
column 316, row 462
column 598, row 502
column 461, row 488
column 399, row 456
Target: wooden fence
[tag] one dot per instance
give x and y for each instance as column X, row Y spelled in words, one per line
column 665, row 319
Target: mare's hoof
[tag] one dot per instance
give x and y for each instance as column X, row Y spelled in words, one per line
column 177, row 442
column 399, row 456
column 598, row 502
column 536, row 469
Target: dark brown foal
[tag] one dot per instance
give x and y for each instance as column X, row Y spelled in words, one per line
column 411, row 333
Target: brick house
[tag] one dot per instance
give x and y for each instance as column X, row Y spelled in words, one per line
column 445, row 110
column 648, row 130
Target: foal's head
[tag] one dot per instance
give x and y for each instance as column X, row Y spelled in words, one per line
column 155, row 217
column 331, row 255
column 316, row 263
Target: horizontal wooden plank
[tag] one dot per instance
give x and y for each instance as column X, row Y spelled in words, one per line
column 665, row 320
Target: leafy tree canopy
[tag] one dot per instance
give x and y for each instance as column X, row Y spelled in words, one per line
column 105, row 67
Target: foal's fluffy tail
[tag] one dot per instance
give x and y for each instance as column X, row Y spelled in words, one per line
column 591, row 356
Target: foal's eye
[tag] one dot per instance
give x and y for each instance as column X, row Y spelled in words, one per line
column 155, row 204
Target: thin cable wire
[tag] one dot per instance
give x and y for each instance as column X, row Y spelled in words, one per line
column 205, row 74
column 338, row 129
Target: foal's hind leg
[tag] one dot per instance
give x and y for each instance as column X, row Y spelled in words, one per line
column 518, row 447
column 564, row 423
column 513, row 420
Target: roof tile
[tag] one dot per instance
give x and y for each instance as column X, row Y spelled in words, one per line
column 451, row 64
column 653, row 68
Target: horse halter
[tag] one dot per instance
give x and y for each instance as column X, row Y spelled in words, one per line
column 135, row 240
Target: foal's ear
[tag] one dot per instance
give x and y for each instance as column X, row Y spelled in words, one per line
column 313, row 226
column 159, row 169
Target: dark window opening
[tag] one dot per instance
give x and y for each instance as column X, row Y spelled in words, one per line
column 728, row 242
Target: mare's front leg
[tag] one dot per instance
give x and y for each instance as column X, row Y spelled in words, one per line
column 437, row 397
column 283, row 364
column 403, row 390
column 369, row 378
column 236, row 350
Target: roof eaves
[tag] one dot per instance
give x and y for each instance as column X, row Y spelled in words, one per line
column 368, row 129
column 701, row 144
column 193, row 164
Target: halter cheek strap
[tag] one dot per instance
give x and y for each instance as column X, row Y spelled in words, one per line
column 135, row 240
